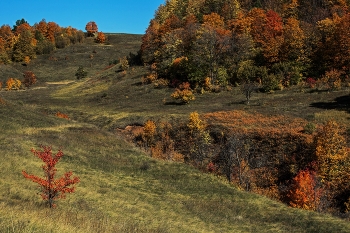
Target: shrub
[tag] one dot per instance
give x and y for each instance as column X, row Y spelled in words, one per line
column 310, row 128
column 26, row 60
column 310, row 82
column 149, row 78
column 183, row 93
column 52, row 188
column 62, row 115
column 161, row 83
column 81, row 73
column 44, row 47
column 332, row 79
column 61, row 42
column 29, row 78
column 222, row 77
column 13, row 83
column 101, row 38
column 270, row 83
column 124, row 64
column 290, row 72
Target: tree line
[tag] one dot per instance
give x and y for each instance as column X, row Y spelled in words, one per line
column 24, row 42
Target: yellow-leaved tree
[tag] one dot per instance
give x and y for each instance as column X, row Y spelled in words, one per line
column 149, row 132
column 332, row 164
column 199, row 139
column 331, row 151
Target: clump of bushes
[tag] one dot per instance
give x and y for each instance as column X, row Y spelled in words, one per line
column 183, row 93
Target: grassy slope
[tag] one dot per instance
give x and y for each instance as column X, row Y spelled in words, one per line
column 122, row 189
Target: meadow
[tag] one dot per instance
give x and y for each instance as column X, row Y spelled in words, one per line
column 122, row 188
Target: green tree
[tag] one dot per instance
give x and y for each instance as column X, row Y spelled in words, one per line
column 18, row 23
column 24, row 47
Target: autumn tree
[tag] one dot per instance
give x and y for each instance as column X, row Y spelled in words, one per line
column 52, row 30
column 149, row 133
column 267, row 32
column 198, row 140
column 304, row 192
column 241, row 46
column 183, row 93
column 151, row 43
column 29, row 78
column 22, row 27
column 51, row 187
column 331, row 151
column 42, row 27
column 24, row 47
column 211, row 44
column 3, row 54
column 8, row 37
column 91, row 28
column 293, row 46
column 13, row 83
column 101, row 38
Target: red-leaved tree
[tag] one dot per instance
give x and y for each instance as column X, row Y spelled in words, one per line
column 52, row 188
column 29, row 78
column 304, row 193
column 91, row 28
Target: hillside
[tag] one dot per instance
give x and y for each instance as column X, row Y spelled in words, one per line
column 122, row 189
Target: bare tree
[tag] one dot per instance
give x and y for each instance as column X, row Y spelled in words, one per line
column 247, row 88
column 235, row 159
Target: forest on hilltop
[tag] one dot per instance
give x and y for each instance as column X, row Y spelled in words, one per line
column 273, row 43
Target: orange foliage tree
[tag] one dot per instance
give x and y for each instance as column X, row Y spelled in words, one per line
column 52, row 29
column 304, row 192
column 183, row 93
column 267, row 31
column 42, row 27
column 149, row 132
column 101, row 38
column 52, row 188
column 91, row 28
column 13, row 83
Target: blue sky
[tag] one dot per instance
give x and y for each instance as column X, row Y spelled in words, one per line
column 121, row 16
